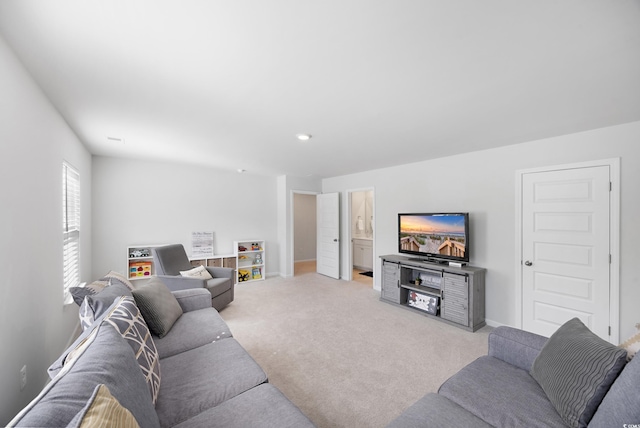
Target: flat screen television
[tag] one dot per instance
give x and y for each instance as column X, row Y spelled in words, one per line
column 434, row 236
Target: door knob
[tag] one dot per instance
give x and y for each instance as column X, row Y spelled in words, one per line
column 335, row 240
column 528, row 263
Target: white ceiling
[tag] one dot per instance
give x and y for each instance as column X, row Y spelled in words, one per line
column 377, row 83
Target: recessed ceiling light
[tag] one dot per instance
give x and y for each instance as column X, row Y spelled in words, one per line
column 303, row 137
column 240, row 170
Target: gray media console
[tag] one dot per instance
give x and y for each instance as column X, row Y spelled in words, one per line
column 454, row 295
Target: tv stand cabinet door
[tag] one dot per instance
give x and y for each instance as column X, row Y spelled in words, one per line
column 390, row 281
column 455, row 298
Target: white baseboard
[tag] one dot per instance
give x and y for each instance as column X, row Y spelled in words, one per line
column 492, row 323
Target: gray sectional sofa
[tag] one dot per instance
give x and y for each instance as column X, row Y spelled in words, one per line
column 193, row 374
column 526, row 380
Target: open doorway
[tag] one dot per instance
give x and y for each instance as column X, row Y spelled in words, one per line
column 361, row 231
column 304, row 233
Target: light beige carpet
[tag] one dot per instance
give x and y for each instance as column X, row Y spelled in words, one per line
column 342, row 356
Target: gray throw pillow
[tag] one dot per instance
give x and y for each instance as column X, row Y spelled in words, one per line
column 128, row 321
column 79, row 293
column 95, row 305
column 158, row 306
column 621, row 405
column 576, row 368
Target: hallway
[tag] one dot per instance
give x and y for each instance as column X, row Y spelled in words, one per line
column 309, row 266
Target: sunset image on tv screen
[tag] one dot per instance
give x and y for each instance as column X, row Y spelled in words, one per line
column 433, row 234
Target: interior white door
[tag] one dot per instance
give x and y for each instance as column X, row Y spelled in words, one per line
column 566, row 253
column 328, row 242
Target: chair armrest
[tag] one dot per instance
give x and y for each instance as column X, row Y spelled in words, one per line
column 516, row 347
column 174, row 283
column 193, row 299
column 222, row 272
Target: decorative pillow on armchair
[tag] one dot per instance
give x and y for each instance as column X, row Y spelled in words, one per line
column 576, row 368
column 197, row 272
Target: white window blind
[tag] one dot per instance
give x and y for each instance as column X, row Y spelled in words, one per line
column 71, row 227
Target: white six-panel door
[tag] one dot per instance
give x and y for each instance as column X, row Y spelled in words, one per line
column 566, row 249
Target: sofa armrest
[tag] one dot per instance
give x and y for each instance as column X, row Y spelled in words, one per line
column 193, row 299
column 516, row 347
column 174, row 283
column 222, row 272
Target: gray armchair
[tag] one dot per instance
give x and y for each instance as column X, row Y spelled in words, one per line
column 171, row 259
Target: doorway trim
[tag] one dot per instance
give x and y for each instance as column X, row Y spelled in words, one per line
column 614, row 238
column 292, row 228
column 349, row 267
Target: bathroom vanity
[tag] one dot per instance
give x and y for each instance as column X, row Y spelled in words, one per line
column 363, row 254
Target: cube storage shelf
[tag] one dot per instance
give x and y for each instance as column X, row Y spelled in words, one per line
column 454, row 295
column 224, row 260
column 140, row 261
column 250, row 260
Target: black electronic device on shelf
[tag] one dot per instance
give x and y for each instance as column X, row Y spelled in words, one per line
column 436, row 237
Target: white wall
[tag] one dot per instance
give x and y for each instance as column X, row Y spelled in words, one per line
column 35, row 325
column 139, row 202
column 304, row 227
column 483, row 183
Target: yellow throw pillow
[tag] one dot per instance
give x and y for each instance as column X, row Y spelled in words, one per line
column 106, row 411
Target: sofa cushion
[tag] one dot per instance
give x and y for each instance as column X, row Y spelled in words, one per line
column 514, row 346
column 575, row 368
column 621, row 406
column 105, row 359
column 436, row 411
column 501, row 395
column 262, row 406
column 97, row 304
column 217, row 286
column 158, row 306
column 193, row 299
column 197, row 272
column 127, row 320
column 205, row 377
column 103, row 410
column 192, row 330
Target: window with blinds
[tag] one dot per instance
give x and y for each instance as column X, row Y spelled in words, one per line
column 71, row 227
